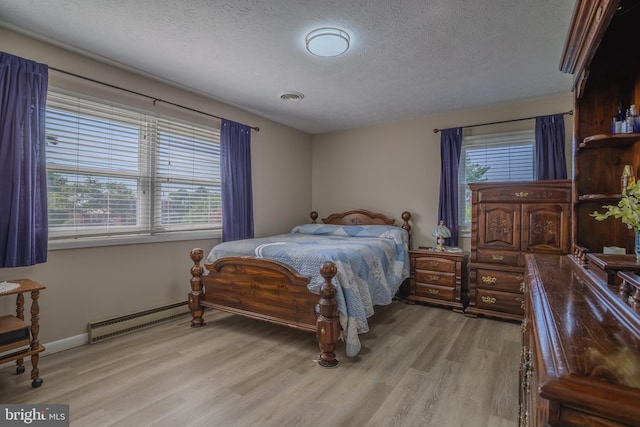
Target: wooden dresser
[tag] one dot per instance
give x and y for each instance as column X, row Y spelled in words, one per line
column 439, row 277
column 581, row 348
column 508, row 221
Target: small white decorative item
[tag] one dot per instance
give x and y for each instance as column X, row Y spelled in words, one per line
column 628, row 211
column 441, row 232
column 8, row 286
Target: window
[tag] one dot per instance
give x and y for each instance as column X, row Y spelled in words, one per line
column 114, row 171
column 487, row 158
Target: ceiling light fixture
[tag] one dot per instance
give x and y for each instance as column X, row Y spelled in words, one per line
column 327, row 41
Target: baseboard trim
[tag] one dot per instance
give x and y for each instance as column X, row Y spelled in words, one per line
column 56, row 347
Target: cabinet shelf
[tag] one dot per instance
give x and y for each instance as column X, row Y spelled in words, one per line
column 610, row 140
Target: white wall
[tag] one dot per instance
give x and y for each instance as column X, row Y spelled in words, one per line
column 93, row 284
column 395, row 167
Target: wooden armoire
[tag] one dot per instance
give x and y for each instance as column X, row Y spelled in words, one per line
column 509, row 220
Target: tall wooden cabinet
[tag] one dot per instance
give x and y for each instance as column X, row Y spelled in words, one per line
column 509, row 220
column 602, row 53
column 581, row 333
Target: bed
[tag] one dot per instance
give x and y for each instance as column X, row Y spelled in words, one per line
column 324, row 278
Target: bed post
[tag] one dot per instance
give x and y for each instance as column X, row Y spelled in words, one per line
column 197, row 311
column 406, row 216
column 328, row 323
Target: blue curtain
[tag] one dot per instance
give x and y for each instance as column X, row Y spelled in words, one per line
column 237, row 195
column 23, row 166
column 550, row 158
column 450, row 147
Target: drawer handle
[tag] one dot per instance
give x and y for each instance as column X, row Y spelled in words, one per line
column 434, row 264
column 488, row 300
column 522, row 287
column 521, row 194
column 521, row 301
column 489, row 280
column 434, row 278
column 519, row 278
column 433, row 291
column 497, row 257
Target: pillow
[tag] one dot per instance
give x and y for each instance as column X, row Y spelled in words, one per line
column 397, row 234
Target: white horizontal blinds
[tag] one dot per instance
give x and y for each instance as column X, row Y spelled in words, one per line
column 93, row 170
column 114, row 171
column 494, row 158
column 187, row 181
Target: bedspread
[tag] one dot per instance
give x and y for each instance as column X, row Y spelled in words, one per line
column 372, row 262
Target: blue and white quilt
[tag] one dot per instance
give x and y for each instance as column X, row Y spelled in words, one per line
column 372, row 261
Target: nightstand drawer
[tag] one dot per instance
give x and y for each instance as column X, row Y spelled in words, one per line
column 511, row 281
column 435, row 278
column 435, row 292
column 434, row 263
column 500, row 301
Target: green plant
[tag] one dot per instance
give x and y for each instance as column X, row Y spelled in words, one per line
column 627, row 209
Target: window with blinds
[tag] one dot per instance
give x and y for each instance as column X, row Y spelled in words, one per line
column 116, row 171
column 492, row 158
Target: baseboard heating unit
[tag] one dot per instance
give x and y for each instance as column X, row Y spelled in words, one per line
column 99, row 331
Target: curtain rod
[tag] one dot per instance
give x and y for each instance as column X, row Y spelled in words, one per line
column 256, row 128
column 570, row 112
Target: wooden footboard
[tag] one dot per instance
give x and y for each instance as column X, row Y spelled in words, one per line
column 270, row 291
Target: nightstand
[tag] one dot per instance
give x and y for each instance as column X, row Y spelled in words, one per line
column 440, row 278
column 19, row 339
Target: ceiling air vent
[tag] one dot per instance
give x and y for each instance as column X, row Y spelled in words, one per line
column 291, row 96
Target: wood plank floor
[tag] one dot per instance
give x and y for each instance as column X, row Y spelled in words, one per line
column 419, row 366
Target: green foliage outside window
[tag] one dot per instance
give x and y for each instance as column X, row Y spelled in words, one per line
column 474, row 172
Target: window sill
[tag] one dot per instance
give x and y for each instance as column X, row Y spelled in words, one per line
column 464, row 232
column 55, row 245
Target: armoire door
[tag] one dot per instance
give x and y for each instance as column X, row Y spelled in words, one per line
column 499, row 226
column 545, row 228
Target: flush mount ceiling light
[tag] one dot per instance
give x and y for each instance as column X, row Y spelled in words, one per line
column 327, row 41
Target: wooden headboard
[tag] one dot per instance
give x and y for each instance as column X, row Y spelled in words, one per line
column 363, row 217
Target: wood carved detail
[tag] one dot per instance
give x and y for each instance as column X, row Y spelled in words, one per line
column 544, row 228
column 501, row 226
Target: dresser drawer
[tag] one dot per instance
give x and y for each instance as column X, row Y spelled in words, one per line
column 524, row 194
column 435, row 278
column 434, row 263
column 435, row 292
column 499, row 301
column 510, row 281
column 499, row 257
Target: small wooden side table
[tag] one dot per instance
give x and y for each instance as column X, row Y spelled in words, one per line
column 9, row 323
column 439, row 277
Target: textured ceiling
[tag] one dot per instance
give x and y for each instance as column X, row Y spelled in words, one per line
column 408, row 58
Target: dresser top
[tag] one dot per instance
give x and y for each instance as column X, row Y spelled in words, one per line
column 589, row 339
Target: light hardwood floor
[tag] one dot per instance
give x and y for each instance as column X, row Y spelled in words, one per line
column 419, row 366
